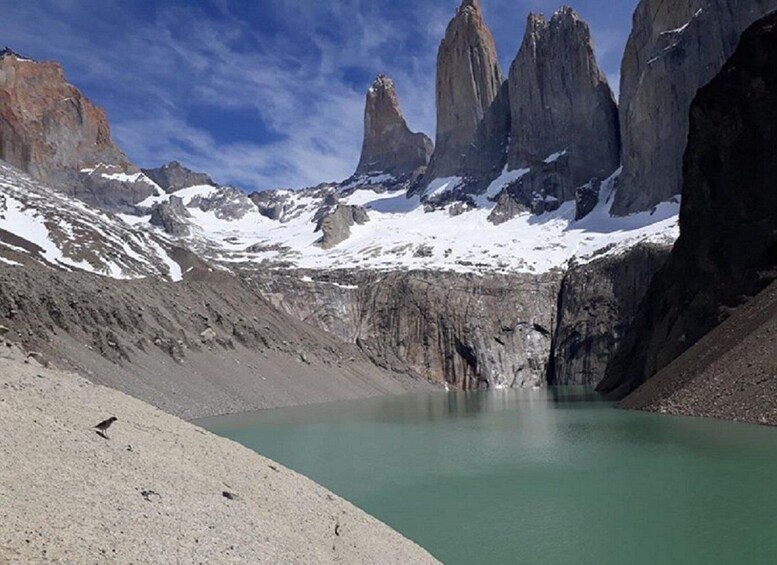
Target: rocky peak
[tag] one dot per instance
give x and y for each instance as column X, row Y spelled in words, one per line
column 472, row 7
column 174, row 176
column 674, row 49
column 8, row 52
column 389, row 146
column 171, row 217
column 468, row 82
column 561, row 105
column 46, row 125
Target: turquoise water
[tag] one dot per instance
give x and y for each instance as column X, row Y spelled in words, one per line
column 546, row 476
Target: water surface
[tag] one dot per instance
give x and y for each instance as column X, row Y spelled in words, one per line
column 545, row 476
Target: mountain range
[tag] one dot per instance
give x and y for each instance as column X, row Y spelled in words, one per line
column 517, row 249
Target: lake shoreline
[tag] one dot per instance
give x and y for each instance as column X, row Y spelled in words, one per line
column 157, row 488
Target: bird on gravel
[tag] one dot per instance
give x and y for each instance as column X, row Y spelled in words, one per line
column 102, row 427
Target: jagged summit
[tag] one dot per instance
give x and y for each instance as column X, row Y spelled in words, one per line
column 174, row 176
column 8, row 52
column 389, row 146
column 564, row 115
column 469, row 5
column 537, row 20
column 468, row 81
column 382, row 82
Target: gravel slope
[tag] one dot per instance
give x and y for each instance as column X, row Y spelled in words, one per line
column 730, row 374
column 206, row 346
column 155, row 491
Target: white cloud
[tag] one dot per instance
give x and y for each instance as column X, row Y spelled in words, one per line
column 152, row 74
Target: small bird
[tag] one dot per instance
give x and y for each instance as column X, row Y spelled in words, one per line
column 102, row 427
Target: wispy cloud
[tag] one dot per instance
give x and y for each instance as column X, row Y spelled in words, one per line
column 290, row 75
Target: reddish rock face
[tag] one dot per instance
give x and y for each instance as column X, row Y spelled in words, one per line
column 46, row 125
column 389, row 145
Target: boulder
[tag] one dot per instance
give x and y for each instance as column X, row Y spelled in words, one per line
column 336, row 225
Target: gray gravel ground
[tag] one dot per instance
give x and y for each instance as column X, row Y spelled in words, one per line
column 160, row 490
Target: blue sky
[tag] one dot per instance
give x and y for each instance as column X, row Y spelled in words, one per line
column 264, row 93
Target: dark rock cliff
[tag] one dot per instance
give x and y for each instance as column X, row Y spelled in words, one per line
column 727, row 249
column 675, row 48
column 597, row 303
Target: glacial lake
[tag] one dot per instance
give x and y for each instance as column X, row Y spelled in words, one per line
column 537, row 477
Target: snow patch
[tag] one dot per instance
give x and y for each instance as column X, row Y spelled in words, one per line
column 439, row 187
column 507, row 177
column 10, row 262
column 555, row 157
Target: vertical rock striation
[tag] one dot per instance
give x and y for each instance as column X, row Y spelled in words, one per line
column 469, row 82
column 597, row 302
column 674, row 49
column 727, row 250
column 470, row 331
column 389, row 146
column 561, row 105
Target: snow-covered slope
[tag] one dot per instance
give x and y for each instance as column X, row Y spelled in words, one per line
column 38, row 224
column 403, row 233
column 278, row 229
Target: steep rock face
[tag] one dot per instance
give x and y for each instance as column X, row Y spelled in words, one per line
column 469, row 331
column 389, row 146
column 727, row 249
column 596, row 304
column 674, row 49
column 174, row 176
column 47, row 125
column 171, row 217
column 539, row 190
column 335, row 225
column 50, row 130
column 272, row 204
column 561, row 104
column 468, row 84
column 115, row 188
column 221, row 348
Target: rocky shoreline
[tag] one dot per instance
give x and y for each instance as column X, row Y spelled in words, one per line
column 69, row 495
